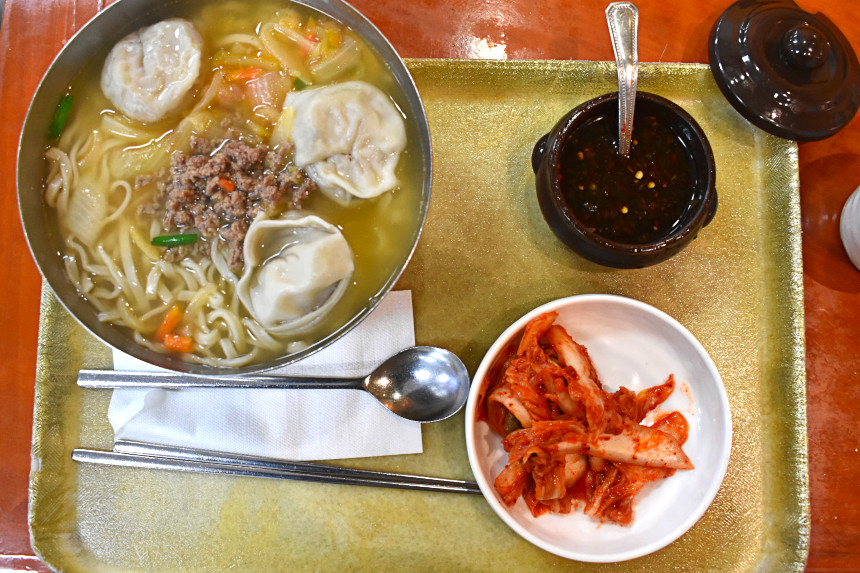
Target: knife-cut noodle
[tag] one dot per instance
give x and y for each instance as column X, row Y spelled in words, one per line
column 571, row 443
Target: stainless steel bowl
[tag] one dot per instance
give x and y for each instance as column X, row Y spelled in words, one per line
column 107, row 28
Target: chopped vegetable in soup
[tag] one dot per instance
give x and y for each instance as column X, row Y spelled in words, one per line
column 61, row 116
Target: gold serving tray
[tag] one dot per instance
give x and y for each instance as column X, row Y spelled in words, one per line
column 486, row 257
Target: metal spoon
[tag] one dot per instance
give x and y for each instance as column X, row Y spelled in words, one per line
column 623, row 20
column 421, row 383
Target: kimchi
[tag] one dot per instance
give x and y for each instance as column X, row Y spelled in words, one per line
column 571, row 443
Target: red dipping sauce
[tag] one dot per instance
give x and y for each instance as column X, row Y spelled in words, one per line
column 635, row 200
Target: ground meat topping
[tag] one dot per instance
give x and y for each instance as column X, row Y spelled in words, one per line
column 222, row 186
column 176, row 254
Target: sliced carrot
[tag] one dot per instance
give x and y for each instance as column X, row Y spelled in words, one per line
column 247, row 74
column 226, row 184
column 178, row 343
column 168, row 325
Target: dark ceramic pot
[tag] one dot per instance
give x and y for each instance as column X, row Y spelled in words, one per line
column 568, row 228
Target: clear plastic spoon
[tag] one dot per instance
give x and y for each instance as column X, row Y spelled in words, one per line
column 623, row 20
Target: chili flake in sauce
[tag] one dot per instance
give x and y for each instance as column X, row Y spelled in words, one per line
column 635, row 200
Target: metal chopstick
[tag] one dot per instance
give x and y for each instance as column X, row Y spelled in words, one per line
column 194, row 454
column 137, row 454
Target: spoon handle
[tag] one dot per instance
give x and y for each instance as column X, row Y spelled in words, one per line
column 122, row 379
column 623, row 20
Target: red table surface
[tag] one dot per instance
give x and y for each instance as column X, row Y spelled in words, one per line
column 33, row 31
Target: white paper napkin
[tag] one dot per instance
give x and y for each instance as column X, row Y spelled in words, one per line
column 285, row 424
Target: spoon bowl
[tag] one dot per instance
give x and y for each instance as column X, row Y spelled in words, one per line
column 420, row 383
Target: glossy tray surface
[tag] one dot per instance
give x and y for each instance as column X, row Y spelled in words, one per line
column 486, row 257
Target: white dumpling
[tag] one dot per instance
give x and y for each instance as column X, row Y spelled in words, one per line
column 148, row 73
column 348, row 138
column 296, row 269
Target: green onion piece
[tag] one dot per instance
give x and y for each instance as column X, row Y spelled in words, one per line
column 299, row 84
column 61, row 116
column 174, row 240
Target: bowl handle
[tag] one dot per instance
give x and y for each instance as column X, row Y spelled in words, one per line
column 538, row 151
column 711, row 207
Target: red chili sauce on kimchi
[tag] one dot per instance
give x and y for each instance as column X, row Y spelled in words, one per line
column 571, row 443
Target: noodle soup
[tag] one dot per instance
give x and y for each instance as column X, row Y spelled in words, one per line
column 129, row 194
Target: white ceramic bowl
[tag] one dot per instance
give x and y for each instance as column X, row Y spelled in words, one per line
column 632, row 344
